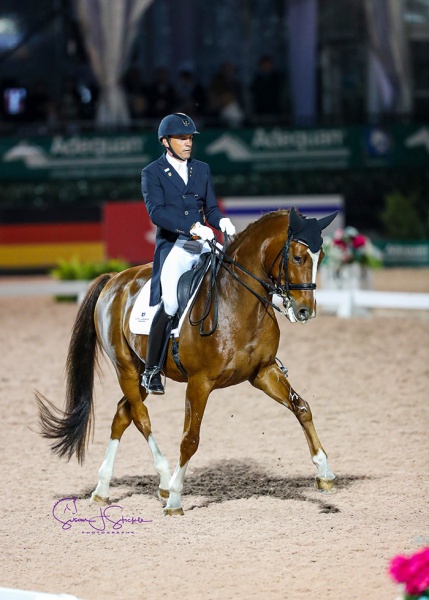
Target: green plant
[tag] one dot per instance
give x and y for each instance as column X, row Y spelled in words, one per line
column 75, row 269
column 402, row 219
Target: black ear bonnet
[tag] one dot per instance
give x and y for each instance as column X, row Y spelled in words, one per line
column 309, row 231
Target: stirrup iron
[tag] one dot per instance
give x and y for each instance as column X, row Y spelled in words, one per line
column 151, row 381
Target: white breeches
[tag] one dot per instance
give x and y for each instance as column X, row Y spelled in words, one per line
column 177, row 262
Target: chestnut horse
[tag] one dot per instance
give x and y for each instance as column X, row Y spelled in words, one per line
column 266, row 258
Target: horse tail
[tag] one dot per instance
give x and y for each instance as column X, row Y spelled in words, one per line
column 71, row 428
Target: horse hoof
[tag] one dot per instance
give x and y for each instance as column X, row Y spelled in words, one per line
column 95, row 499
column 325, row 485
column 171, row 512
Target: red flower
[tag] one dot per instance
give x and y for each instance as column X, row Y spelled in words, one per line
column 413, row 571
column 340, row 243
column 359, row 241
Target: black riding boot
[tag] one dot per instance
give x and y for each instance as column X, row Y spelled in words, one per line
column 156, row 347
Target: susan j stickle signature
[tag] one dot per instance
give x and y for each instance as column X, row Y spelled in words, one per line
column 105, row 519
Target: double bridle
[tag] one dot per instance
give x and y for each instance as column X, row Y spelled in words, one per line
column 284, row 290
column 275, row 287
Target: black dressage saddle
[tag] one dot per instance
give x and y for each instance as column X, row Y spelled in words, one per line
column 190, row 281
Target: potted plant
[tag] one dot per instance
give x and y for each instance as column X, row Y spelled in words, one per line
column 349, row 258
column 76, row 270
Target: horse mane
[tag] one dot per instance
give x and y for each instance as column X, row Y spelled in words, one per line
column 269, row 216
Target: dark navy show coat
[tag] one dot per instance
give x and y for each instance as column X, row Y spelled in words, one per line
column 174, row 207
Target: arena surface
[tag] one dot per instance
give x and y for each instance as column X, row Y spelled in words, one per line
column 254, row 526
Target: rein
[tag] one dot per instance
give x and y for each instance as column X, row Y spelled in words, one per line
column 219, row 259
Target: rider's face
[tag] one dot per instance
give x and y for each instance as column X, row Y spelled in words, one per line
column 181, row 144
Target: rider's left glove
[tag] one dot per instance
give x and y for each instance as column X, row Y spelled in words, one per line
column 226, row 226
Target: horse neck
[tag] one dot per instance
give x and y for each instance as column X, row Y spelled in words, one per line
column 260, row 244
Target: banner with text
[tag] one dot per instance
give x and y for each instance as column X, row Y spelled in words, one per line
column 104, row 156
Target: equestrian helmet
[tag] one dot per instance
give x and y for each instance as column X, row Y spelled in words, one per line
column 176, row 124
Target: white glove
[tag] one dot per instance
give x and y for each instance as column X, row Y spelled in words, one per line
column 201, row 231
column 226, row 226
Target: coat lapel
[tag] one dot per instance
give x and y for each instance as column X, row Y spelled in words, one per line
column 173, row 176
column 170, row 173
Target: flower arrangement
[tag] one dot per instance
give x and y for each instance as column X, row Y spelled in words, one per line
column 412, row 572
column 348, row 246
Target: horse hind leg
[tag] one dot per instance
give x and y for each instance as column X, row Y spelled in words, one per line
column 121, row 421
column 136, row 395
column 275, row 384
column 125, row 413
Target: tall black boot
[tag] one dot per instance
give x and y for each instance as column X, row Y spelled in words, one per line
column 156, row 349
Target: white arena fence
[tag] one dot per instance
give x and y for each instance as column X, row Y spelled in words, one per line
column 343, row 303
column 346, row 303
column 13, row 594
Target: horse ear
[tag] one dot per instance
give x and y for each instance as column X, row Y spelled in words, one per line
column 325, row 221
column 296, row 223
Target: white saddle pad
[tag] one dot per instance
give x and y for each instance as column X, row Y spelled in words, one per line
column 142, row 314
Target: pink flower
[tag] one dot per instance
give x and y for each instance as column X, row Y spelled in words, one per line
column 341, row 244
column 413, row 571
column 359, row 241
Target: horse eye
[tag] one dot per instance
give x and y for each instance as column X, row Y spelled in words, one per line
column 297, row 259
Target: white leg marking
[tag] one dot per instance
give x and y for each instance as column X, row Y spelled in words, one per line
column 105, row 472
column 160, row 463
column 321, row 462
column 176, row 487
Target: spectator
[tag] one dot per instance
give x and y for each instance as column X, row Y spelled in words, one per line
column 191, row 95
column 162, row 97
column 230, row 114
column 38, row 102
column 137, row 93
column 267, row 89
column 224, row 83
column 70, row 101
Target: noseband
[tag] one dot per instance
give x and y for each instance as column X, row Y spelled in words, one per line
column 284, row 290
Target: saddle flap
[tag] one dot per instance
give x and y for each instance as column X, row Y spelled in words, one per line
column 190, row 281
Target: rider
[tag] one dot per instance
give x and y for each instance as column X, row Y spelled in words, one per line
column 180, row 199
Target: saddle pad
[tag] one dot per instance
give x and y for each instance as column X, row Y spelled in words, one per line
column 142, row 314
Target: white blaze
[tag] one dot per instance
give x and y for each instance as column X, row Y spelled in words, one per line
column 315, row 257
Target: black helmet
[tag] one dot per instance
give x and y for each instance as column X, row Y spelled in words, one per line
column 176, row 124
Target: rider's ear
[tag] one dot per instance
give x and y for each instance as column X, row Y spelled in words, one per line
column 325, row 221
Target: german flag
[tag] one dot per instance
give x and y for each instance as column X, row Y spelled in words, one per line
column 31, row 239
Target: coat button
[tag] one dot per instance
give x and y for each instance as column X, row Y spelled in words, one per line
column 186, row 212
column 183, row 195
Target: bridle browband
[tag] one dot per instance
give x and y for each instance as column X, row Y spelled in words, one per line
column 273, row 287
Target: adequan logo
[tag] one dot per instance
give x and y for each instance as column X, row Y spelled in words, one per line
column 278, row 144
column 77, row 152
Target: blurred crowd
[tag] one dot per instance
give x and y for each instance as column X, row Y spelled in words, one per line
column 223, row 101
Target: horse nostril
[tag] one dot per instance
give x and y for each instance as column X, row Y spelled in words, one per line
column 303, row 314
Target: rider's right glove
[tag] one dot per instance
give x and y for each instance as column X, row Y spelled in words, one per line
column 201, row 231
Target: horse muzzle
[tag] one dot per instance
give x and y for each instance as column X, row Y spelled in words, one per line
column 298, row 313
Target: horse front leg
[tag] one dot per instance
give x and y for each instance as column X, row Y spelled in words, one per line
column 274, row 383
column 197, row 394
